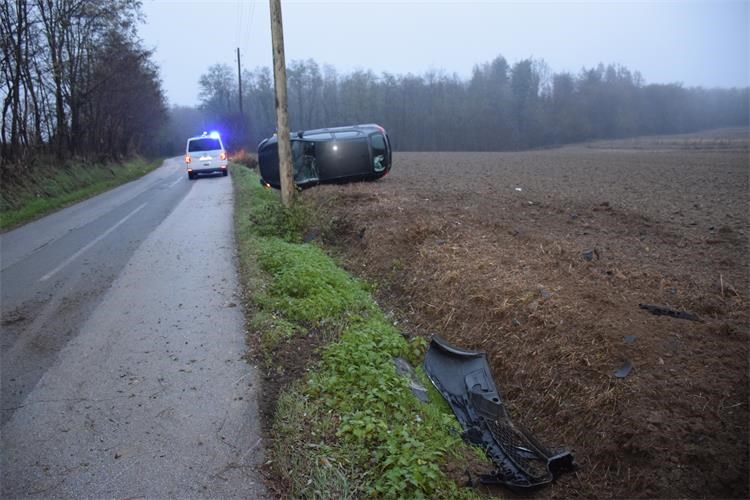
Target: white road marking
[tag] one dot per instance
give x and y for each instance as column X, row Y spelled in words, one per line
column 90, row 244
column 175, row 182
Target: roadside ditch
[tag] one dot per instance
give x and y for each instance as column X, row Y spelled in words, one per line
column 339, row 421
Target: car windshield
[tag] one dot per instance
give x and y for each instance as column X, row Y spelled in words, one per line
column 204, row 144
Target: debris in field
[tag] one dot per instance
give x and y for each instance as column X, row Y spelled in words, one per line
column 590, row 253
column 629, row 339
column 624, row 370
column 519, row 189
column 404, row 369
column 310, row 236
column 667, row 311
column 465, row 381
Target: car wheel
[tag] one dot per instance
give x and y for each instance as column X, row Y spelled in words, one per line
column 224, row 173
column 191, row 176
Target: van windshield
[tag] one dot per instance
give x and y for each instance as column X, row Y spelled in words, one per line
column 204, row 144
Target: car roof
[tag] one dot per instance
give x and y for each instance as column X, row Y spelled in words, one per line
column 301, row 134
column 363, row 128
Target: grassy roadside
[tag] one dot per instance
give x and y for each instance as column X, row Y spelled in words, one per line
column 48, row 187
column 349, row 426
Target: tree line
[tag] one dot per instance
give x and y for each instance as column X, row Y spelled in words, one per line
column 76, row 81
column 501, row 107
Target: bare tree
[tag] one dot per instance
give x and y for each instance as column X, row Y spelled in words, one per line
column 57, row 73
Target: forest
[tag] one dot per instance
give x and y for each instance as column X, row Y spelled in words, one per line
column 502, row 106
column 76, row 82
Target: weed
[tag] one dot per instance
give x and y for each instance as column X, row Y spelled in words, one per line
column 273, row 328
column 306, row 286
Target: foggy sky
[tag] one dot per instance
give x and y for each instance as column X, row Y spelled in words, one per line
column 703, row 43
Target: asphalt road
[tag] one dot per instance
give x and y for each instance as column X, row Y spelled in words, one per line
column 122, row 344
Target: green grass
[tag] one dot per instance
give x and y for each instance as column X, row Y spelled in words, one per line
column 351, row 427
column 47, row 186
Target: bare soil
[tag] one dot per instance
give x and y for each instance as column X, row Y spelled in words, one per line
column 489, row 250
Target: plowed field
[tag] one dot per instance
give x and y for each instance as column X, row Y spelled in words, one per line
column 542, row 258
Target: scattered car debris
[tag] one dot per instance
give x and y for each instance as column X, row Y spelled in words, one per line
column 624, row 370
column 405, row 369
column 465, row 381
column 667, row 311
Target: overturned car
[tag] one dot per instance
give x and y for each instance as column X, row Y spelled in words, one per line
column 341, row 154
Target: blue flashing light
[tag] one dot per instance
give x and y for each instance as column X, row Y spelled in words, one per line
column 214, row 135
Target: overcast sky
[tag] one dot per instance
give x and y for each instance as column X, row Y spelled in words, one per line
column 702, row 43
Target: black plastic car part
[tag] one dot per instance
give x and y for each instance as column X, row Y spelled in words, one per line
column 668, row 311
column 465, row 381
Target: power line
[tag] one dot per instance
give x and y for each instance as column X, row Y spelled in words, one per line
column 252, row 14
column 238, row 22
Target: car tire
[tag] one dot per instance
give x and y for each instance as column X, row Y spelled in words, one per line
column 191, row 176
column 224, row 173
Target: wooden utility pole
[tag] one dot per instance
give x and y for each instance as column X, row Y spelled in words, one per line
column 239, row 76
column 282, row 120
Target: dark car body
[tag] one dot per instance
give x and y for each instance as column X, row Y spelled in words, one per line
column 340, row 154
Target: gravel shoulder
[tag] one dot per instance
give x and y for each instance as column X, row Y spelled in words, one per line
column 153, row 397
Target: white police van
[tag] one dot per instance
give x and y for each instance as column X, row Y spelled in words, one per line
column 205, row 154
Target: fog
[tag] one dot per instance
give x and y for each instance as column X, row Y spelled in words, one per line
column 701, row 43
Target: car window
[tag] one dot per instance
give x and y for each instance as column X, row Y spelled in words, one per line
column 379, row 152
column 204, row 144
